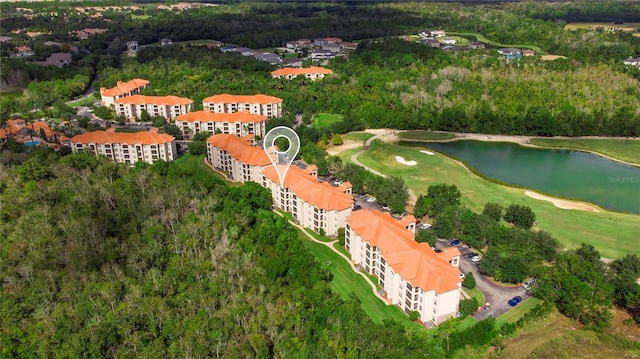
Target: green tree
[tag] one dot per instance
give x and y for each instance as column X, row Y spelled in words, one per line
column 468, row 306
column 493, row 211
column 426, row 236
column 197, row 148
column 469, row 281
column 442, row 196
column 520, row 216
column 422, row 206
column 201, row 136
column 336, row 140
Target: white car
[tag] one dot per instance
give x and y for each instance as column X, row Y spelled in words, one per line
column 476, row 259
column 425, row 225
column 387, row 208
column 371, row 199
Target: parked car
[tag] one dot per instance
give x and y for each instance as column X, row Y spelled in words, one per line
column 476, row 259
column 455, row 242
column 425, row 225
column 515, row 300
column 528, row 283
column 471, row 254
column 371, row 199
column 357, row 207
column 386, row 208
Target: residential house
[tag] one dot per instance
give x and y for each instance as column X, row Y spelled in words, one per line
column 240, row 123
column 122, row 89
column 528, row 52
column 411, row 274
column 269, row 57
column 6, row 39
column 245, row 51
column 292, row 62
column 320, row 55
column 86, row 32
column 332, row 47
column 264, row 105
column 166, row 42
column 58, row 59
column 510, row 53
column 168, row 107
column 23, row 51
column 431, row 42
column 23, row 131
column 426, row 33
column 352, row 46
column 632, row 62
column 315, row 205
column 310, row 73
column 448, row 41
column 129, row 148
column 237, row 157
column 229, row 48
column 476, row 45
column 132, row 46
column 438, row 33
column 299, row 44
column 326, row 41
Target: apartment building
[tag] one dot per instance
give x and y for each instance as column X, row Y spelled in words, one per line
column 127, row 148
column 168, row 107
column 264, row 105
column 412, row 275
column 122, row 89
column 311, row 73
column 237, row 157
column 315, row 205
column 240, row 123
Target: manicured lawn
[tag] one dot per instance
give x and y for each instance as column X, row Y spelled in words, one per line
column 346, row 282
column 517, row 312
column 426, row 135
column 346, row 155
column 624, row 150
column 613, row 234
column 475, row 293
column 358, row 136
column 323, row 120
column 481, row 38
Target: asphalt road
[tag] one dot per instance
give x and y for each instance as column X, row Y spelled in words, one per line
column 496, row 295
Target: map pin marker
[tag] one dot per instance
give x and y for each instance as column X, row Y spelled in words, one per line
column 281, row 160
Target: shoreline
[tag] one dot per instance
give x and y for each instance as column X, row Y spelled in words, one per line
column 525, row 141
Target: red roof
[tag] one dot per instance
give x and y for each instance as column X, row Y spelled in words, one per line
column 227, row 98
column 415, row 262
column 102, row 137
column 124, row 88
column 155, row 100
column 206, row 116
column 306, row 187
column 240, row 149
column 302, row 71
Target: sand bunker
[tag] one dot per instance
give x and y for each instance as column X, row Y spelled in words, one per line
column 427, row 152
column 562, row 203
column 401, row 160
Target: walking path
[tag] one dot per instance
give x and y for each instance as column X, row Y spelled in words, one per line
column 351, row 263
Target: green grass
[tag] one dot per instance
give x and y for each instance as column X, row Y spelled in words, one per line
column 358, row 136
column 140, row 17
column 475, row 293
column 613, row 234
column 517, row 312
column 426, row 135
column 481, row 38
column 318, row 237
column 346, row 282
column 323, row 120
column 195, row 165
column 624, row 150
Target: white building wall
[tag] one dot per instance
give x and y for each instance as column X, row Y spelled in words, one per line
column 130, row 154
column 269, row 110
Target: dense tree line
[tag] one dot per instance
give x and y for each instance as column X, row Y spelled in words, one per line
column 102, row 260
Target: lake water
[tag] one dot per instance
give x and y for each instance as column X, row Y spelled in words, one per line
column 563, row 173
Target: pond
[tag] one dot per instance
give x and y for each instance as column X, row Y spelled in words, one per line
column 563, row 173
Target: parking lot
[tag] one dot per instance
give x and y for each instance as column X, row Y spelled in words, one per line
column 497, row 295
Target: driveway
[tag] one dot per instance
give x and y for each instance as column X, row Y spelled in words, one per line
column 495, row 294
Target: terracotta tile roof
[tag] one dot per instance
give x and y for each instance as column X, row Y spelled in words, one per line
column 240, row 149
column 302, row 71
column 124, row 87
column 306, row 187
column 4, row 133
column 227, row 98
column 206, row 116
column 415, row 262
column 102, row 137
column 155, row 100
column 37, row 125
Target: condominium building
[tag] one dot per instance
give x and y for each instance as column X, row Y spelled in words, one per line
column 168, row 107
column 311, row 73
column 412, row 275
column 237, row 157
column 264, row 105
column 240, row 123
column 122, row 89
column 315, row 205
column 127, row 148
